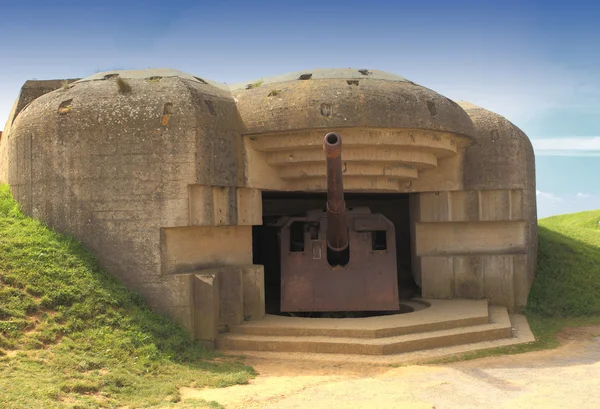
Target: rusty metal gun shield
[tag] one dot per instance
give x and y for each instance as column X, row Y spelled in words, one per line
column 367, row 282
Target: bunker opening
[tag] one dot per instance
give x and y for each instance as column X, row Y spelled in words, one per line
column 294, row 236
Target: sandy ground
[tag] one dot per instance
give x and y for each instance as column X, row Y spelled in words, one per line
column 567, row 377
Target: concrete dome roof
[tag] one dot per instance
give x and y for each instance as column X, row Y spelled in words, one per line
column 326, row 98
column 324, row 73
column 501, row 156
column 346, row 97
column 151, row 73
column 488, row 123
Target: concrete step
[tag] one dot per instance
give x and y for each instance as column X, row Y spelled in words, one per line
column 521, row 335
column 498, row 327
column 429, row 315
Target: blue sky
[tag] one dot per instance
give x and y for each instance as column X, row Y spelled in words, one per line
column 537, row 62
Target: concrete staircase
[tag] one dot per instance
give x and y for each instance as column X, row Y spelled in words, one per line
column 444, row 326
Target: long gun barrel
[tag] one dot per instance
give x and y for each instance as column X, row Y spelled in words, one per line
column 337, row 227
column 359, row 272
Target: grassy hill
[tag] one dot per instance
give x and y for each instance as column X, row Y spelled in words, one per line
column 72, row 337
column 567, row 283
column 566, row 289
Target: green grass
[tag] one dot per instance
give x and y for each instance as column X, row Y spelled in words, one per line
column 567, row 282
column 72, row 337
column 566, row 288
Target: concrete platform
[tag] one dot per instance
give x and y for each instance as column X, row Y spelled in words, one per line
column 429, row 315
column 446, row 328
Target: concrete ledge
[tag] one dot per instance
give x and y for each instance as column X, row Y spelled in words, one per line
column 196, row 248
column 440, row 315
column 470, row 238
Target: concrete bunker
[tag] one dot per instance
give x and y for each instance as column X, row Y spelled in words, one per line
column 174, row 185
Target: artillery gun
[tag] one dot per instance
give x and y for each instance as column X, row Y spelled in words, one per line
column 338, row 259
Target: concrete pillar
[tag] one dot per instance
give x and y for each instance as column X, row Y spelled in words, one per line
column 206, row 306
column 232, row 297
column 253, row 278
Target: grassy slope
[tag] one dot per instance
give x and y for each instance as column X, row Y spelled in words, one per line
column 567, row 283
column 566, row 289
column 71, row 336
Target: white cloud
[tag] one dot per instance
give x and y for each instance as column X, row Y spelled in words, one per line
column 549, row 204
column 548, row 197
column 567, row 146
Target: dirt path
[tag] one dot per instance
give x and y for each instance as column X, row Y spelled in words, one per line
column 567, row 377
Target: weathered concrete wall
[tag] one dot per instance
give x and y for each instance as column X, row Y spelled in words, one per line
column 4, row 144
column 115, row 167
column 503, row 158
column 31, row 90
column 481, row 241
column 160, row 173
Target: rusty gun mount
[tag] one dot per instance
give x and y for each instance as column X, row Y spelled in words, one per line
column 338, row 259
